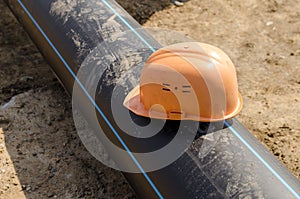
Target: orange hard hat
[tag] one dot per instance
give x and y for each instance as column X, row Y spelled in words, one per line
column 187, row 81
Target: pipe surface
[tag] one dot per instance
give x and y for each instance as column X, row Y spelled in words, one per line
column 227, row 162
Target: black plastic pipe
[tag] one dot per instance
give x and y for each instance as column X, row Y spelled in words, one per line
column 226, row 162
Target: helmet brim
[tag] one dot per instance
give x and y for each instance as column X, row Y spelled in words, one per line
column 133, row 103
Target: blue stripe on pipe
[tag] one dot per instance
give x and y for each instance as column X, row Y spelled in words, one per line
column 93, row 102
column 263, row 161
column 128, row 25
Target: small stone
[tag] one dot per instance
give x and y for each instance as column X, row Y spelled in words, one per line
column 50, row 195
column 26, row 78
column 177, row 3
column 6, row 187
column 53, row 170
column 269, row 23
column 28, row 188
column 250, row 45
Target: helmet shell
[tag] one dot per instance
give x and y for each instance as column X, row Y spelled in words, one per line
column 187, row 81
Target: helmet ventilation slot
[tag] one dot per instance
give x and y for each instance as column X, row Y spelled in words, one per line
column 185, row 86
column 176, row 112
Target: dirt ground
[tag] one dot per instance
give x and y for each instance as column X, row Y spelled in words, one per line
column 41, row 155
